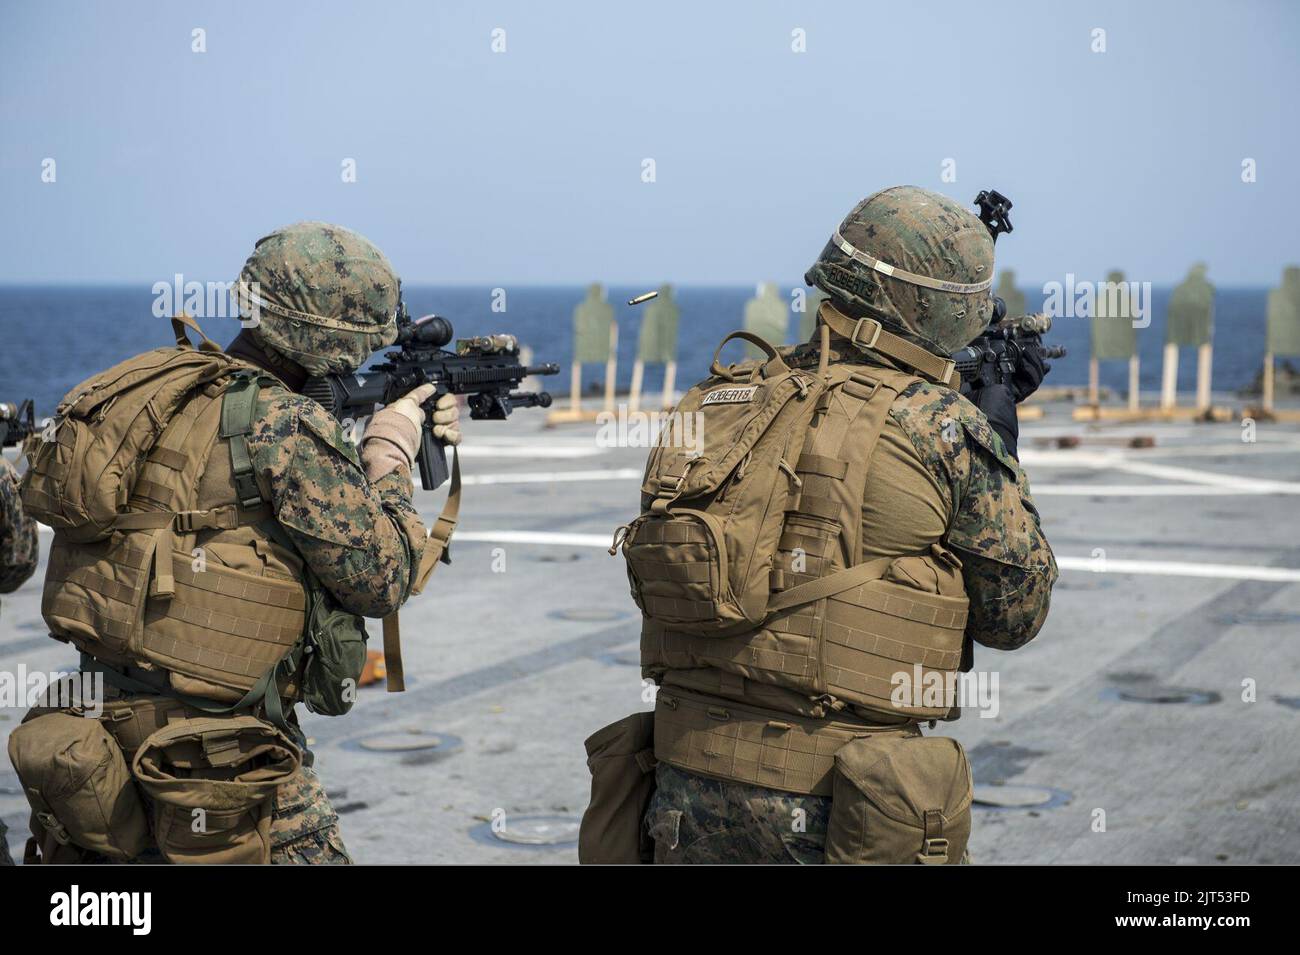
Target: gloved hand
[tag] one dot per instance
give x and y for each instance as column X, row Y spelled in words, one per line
column 392, row 438
column 1029, row 373
column 999, row 406
column 446, row 420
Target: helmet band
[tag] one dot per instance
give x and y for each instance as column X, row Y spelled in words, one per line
column 911, row 278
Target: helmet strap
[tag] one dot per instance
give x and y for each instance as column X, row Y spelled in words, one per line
column 868, row 334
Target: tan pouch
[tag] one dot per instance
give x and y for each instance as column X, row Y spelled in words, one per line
column 133, row 719
column 622, row 761
column 79, row 787
column 900, row 800
column 212, row 783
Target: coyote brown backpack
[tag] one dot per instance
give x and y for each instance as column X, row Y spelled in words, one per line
column 80, row 482
column 119, row 483
column 699, row 556
column 747, row 554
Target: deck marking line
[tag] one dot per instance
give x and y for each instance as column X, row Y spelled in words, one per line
column 1164, row 568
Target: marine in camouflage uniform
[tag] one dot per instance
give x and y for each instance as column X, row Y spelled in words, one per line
column 18, row 556
column 18, row 549
column 322, row 299
column 325, row 299
column 977, row 500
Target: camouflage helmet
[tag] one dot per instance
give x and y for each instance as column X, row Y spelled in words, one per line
column 324, row 296
column 915, row 261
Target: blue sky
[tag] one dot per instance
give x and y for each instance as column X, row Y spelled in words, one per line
column 526, row 166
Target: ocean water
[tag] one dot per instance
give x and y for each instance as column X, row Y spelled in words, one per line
column 53, row 337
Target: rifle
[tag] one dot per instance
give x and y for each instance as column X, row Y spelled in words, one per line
column 487, row 369
column 993, row 356
column 16, row 422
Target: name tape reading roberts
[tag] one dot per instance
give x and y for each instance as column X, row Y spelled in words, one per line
column 730, row 396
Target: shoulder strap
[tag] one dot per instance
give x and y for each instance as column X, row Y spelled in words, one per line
column 238, row 409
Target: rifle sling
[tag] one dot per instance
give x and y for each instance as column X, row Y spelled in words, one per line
column 435, row 550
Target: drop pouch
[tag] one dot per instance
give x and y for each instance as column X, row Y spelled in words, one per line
column 900, row 800
column 332, row 671
column 211, row 783
column 79, row 787
column 622, row 762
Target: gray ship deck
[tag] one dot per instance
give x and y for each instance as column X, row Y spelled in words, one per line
column 1180, row 580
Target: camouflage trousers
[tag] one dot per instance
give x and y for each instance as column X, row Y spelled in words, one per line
column 5, row 858
column 695, row 819
column 304, row 826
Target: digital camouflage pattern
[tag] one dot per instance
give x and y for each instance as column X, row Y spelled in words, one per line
column 696, row 820
column 18, row 556
column 18, row 548
column 327, row 298
column 363, row 541
column 921, row 232
column 1007, row 564
column 304, row 826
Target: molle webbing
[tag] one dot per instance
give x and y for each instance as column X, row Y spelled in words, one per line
column 718, row 737
column 228, row 627
column 675, row 570
column 860, row 628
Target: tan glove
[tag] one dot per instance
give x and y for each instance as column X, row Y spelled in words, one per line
column 446, row 420
column 392, row 438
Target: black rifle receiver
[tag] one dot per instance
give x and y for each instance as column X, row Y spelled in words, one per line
column 993, row 356
column 486, row 369
column 16, row 422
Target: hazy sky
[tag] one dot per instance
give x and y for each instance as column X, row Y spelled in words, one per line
column 526, row 166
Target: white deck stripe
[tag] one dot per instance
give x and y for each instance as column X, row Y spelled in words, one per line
column 547, row 477
column 1169, row 568
column 1162, row 568
column 1247, row 485
column 531, row 451
column 1197, row 476
column 1139, row 490
column 536, row 537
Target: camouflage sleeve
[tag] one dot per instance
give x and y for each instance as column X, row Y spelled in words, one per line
column 1008, row 565
column 18, row 549
column 363, row 541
